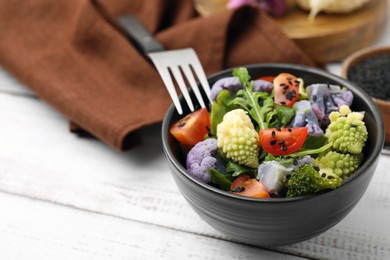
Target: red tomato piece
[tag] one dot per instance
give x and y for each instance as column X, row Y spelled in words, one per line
column 286, row 87
column 268, row 78
column 282, row 141
column 192, row 128
column 245, row 186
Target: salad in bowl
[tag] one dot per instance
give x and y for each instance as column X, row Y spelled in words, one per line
column 281, row 154
column 273, row 136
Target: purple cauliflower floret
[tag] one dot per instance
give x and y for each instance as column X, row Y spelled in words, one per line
column 303, row 160
column 304, row 116
column 260, row 85
column 202, row 157
column 232, row 84
column 327, row 98
column 345, row 98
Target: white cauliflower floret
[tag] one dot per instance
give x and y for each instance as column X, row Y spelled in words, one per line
column 238, row 138
column 331, row 6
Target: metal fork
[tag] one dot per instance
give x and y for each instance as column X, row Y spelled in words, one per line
column 174, row 63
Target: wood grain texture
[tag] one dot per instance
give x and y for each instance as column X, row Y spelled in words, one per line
column 41, row 160
column 332, row 37
column 37, row 230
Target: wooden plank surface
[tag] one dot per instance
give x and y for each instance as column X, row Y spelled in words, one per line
column 37, row 230
column 82, row 182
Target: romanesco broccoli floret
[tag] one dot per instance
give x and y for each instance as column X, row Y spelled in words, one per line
column 238, row 138
column 341, row 164
column 306, row 180
column 347, row 131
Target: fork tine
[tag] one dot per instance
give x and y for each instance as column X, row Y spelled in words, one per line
column 197, row 66
column 183, row 88
column 166, row 77
column 190, row 77
column 168, row 63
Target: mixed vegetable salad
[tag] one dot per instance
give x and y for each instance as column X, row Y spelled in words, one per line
column 273, row 136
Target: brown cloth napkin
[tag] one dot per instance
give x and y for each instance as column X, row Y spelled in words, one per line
column 71, row 56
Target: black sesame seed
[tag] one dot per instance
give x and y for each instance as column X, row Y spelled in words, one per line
column 278, row 127
column 316, row 168
column 323, row 175
column 282, row 142
column 284, row 147
column 295, row 162
column 282, row 103
column 290, row 130
column 291, row 94
column 283, row 85
column 273, row 133
column 273, row 142
column 353, row 125
column 330, row 177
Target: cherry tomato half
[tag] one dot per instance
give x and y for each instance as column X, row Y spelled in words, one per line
column 268, row 78
column 245, row 186
column 192, row 128
column 286, row 87
column 282, row 141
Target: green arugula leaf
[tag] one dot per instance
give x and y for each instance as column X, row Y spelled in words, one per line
column 314, row 142
column 282, row 115
column 242, row 74
column 236, row 169
column 219, row 108
column 315, row 151
column 220, row 180
column 252, row 99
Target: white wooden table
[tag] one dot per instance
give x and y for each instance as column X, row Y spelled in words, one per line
column 65, row 197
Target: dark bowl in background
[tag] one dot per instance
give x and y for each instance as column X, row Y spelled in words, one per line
column 278, row 221
column 365, row 55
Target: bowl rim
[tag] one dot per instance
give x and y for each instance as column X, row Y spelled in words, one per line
column 371, row 159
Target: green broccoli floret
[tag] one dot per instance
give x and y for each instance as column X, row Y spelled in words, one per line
column 238, row 138
column 347, row 131
column 343, row 165
column 306, row 180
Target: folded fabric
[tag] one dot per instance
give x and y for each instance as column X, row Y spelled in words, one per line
column 69, row 53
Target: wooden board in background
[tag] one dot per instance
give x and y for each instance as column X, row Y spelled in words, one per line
column 332, row 37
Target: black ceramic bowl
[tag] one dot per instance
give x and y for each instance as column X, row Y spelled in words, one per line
column 278, row 221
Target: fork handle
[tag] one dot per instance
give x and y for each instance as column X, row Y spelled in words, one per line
column 138, row 35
